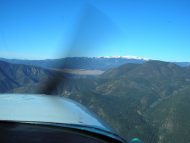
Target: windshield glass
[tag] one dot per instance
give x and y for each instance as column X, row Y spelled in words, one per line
column 118, row 65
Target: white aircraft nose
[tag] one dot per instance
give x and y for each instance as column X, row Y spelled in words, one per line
column 44, row 108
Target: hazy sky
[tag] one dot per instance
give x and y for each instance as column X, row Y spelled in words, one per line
column 38, row 29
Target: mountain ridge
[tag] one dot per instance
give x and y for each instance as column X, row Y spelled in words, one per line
column 103, row 63
column 94, row 63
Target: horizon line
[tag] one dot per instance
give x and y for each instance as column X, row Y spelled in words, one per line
column 113, row 57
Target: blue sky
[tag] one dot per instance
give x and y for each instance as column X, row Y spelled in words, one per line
column 44, row 29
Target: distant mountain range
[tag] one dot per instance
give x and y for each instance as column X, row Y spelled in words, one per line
column 95, row 63
column 87, row 63
column 147, row 99
column 183, row 64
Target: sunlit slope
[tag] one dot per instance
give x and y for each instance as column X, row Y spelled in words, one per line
column 30, row 79
column 15, row 76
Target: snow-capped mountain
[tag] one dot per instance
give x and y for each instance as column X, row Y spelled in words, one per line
column 89, row 63
column 126, row 57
